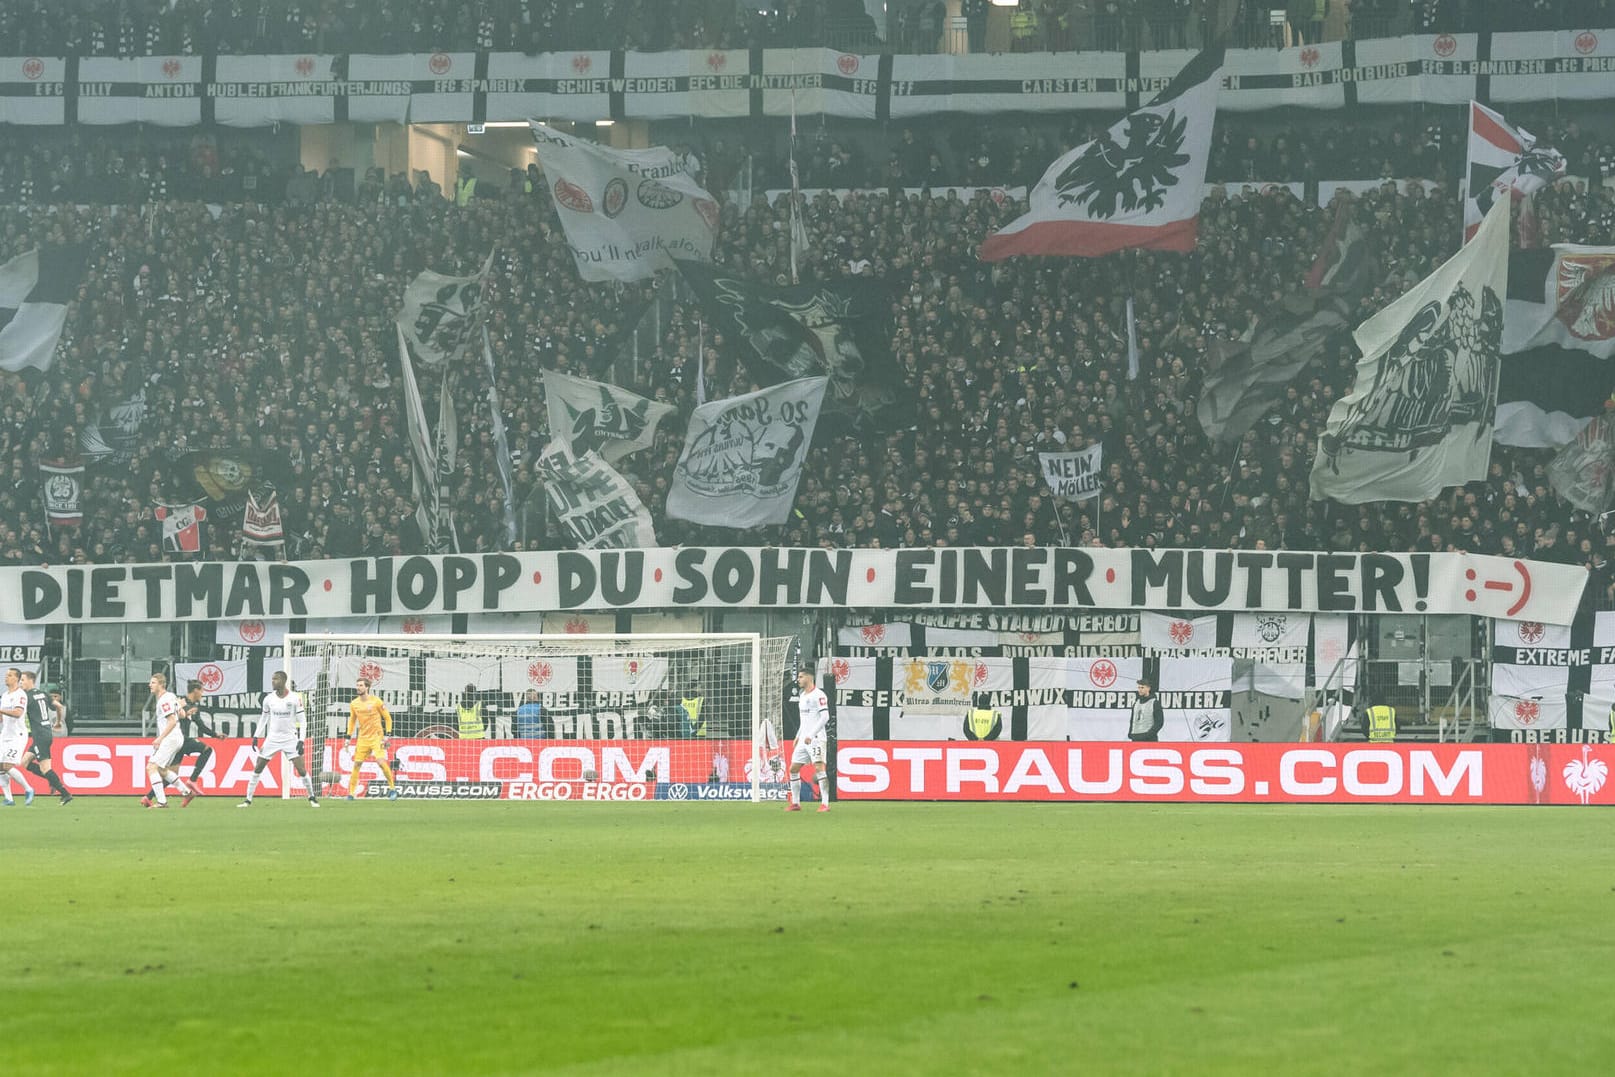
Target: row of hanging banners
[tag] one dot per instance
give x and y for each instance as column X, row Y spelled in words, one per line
column 1050, row 676
column 482, row 87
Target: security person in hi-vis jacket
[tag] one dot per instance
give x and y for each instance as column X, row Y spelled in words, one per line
column 983, row 722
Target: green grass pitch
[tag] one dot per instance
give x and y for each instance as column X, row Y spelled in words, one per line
column 694, row 938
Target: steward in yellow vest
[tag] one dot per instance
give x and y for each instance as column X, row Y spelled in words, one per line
column 1381, row 724
column 470, row 713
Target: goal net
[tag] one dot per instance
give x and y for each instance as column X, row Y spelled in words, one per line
column 550, row 717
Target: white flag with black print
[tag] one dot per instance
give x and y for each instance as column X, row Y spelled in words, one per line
column 626, row 213
column 442, row 314
column 591, row 416
column 1420, row 415
column 743, row 456
column 591, row 500
column 1503, row 161
column 1073, row 476
column 1137, row 185
column 35, row 289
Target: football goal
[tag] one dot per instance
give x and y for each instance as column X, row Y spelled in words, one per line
column 547, row 717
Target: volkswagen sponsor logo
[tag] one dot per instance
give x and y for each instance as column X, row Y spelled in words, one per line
column 678, row 791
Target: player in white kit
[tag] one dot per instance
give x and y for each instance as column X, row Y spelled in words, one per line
column 808, row 753
column 281, row 727
column 160, row 770
column 14, row 737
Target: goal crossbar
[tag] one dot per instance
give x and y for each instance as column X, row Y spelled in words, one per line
column 594, row 646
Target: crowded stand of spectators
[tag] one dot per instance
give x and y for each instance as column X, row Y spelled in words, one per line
column 159, row 27
column 265, row 330
column 972, row 152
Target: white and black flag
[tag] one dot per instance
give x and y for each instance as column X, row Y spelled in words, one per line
column 1420, row 416
column 594, row 503
column 591, row 416
column 1558, row 344
column 743, row 456
column 433, row 455
column 626, row 213
column 35, row 289
column 501, row 443
column 1073, row 476
column 441, row 314
column 1503, row 161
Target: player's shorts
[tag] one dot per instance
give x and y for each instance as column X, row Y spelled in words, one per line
column 277, row 744
column 12, row 749
column 809, row 753
column 368, row 749
column 168, row 749
column 41, row 747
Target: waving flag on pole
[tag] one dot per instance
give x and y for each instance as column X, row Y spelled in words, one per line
column 1502, row 158
column 626, row 213
column 1136, row 185
column 35, row 289
column 1421, row 414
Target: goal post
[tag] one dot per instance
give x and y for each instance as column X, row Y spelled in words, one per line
column 633, row 716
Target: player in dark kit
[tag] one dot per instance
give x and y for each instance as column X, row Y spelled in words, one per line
column 192, row 726
column 40, row 713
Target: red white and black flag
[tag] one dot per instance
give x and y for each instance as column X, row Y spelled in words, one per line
column 1136, row 185
column 1502, row 159
column 182, row 527
column 261, row 520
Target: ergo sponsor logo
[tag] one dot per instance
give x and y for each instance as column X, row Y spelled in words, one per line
column 579, row 791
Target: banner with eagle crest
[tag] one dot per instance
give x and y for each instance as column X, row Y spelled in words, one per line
column 1136, row 185
column 1420, row 416
column 1558, row 340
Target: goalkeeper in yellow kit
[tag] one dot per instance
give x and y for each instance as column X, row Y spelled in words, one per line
column 367, row 715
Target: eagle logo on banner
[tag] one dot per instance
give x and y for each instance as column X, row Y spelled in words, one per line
column 1440, row 373
column 1109, row 177
column 1586, row 293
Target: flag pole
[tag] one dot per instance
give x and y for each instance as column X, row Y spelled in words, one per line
column 700, row 359
column 796, row 188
